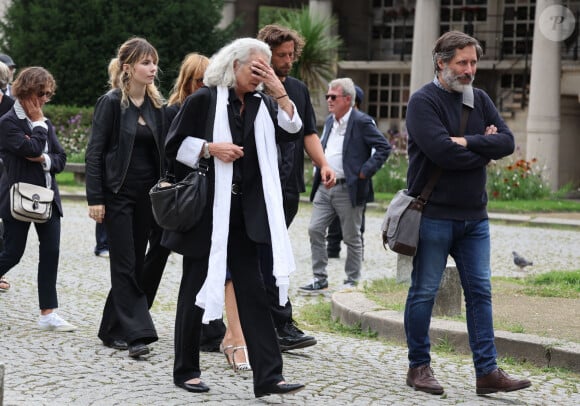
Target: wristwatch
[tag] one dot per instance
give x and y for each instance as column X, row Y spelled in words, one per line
column 206, row 153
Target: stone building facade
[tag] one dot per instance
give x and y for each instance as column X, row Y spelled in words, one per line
column 530, row 67
column 533, row 77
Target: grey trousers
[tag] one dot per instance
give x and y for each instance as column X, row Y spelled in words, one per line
column 326, row 205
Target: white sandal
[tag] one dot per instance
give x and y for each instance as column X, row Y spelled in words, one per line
column 230, row 351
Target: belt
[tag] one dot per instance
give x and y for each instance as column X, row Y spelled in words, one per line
column 236, row 189
column 340, row 181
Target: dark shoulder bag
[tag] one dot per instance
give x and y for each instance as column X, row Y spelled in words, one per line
column 178, row 206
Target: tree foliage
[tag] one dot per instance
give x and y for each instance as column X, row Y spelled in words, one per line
column 75, row 40
column 317, row 64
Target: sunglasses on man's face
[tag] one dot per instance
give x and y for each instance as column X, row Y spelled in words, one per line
column 333, row 96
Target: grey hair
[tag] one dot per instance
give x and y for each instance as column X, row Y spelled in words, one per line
column 347, row 86
column 220, row 71
column 449, row 43
column 4, row 75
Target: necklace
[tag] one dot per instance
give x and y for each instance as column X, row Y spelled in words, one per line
column 137, row 102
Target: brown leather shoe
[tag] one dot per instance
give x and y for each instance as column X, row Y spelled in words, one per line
column 499, row 381
column 421, row 378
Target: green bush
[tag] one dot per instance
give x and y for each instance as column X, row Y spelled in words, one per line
column 75, row 40
column 73, row 126
column 393, row 175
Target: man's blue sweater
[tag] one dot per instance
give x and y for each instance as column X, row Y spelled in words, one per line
column 433, row 116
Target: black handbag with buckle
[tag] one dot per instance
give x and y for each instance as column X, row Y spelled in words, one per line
column 178, row 206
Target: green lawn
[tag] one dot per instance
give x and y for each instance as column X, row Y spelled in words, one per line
column 504, row 206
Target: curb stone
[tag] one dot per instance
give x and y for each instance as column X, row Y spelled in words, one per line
column 353, row 308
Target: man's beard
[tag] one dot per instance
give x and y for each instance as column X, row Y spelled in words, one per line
column 283, row 72
column 453, row 80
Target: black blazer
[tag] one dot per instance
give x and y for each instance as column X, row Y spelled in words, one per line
column 6, row 104
column 191, row 121
column 111, row 143
column 15, row 147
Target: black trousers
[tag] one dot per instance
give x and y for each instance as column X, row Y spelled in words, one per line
column 155, row 261
column 280, row 314
column 253, row 308
column 15, row 236
column 101, row 238
column 291, row 200
column 128, row 220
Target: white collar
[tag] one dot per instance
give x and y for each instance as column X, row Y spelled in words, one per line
column 343, row 119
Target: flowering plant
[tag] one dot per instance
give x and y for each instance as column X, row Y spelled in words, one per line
column 510, row 179
column 73, row 135
column 398, row 140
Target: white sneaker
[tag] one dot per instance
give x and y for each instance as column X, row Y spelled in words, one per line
column 103, row 254
column 348, row 287
column 53, row 322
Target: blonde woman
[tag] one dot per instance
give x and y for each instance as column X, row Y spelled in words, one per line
column 189, row 80
column 124, row 159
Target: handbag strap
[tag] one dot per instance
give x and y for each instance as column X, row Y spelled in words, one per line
column 426, row 192
column 203, row 164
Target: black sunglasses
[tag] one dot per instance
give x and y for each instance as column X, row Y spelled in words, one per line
column 42, row 94
column 333, row 96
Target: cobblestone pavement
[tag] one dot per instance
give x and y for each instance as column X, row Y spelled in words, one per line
column 47, row 368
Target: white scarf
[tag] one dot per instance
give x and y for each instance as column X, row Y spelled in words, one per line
column 211, row 295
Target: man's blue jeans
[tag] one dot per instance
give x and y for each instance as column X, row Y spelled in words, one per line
column 468, row 242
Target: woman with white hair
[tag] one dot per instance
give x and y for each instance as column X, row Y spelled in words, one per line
column 233, row 127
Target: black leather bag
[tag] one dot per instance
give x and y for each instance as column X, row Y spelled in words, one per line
column 178, row 206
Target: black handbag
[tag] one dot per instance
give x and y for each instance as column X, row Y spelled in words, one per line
column 178, row 206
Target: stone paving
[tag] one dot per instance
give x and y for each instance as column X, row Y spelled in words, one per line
column 47, row 368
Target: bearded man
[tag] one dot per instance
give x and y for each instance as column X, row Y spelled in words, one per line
column 455, row 220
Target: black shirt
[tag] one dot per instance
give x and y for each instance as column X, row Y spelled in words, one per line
column 236, row 118
column 292, row 153
column 144, row 162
